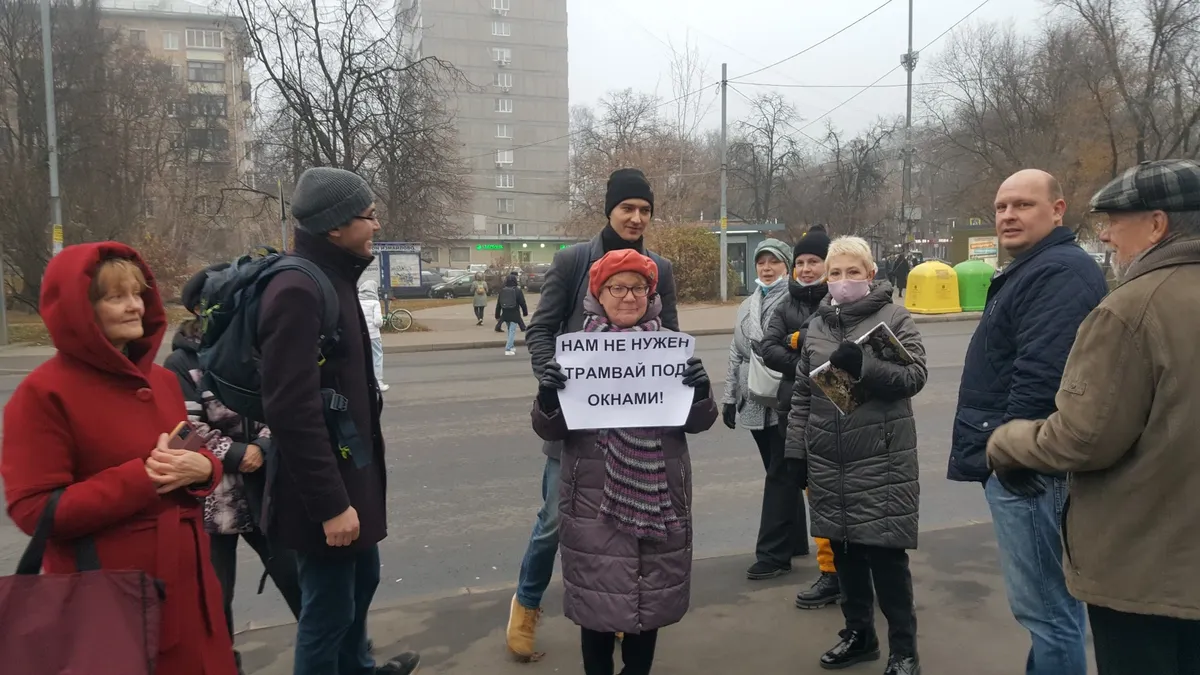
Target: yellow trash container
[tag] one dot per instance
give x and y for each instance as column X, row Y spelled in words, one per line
column 932, row 289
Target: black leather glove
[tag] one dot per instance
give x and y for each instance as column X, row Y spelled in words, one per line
column 729, row 415
column 1022, row 482
column 697, row 378
column 848, row 357
column 553, row 380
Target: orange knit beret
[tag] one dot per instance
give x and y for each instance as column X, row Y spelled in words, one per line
column 623, row 260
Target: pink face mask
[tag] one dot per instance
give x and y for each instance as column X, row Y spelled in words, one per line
column 849, row 290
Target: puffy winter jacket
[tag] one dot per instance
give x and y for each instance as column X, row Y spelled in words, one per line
column 790, row 317
column 862, row 467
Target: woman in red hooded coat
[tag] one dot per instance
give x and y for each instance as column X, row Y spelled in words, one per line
column 94, row 420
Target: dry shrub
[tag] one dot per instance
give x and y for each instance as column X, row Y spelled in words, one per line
column 695, row 254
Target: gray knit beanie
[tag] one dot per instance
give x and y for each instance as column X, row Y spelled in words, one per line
column 776, row 248
column 326, row 199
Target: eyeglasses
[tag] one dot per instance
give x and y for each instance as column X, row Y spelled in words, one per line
column 621, row 291
column 373, row 218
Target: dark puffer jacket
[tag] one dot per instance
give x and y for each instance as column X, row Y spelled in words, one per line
column 862, row 468
column 792, row 316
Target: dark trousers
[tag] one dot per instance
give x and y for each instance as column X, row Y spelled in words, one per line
column 336, row 589
column 783, row 524
column 637, row 652
column 479, row 313
column 1141, row 644
column 280, row 565
column 866, row 571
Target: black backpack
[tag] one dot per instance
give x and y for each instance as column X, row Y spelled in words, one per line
column 229, row 353
column 508, row 298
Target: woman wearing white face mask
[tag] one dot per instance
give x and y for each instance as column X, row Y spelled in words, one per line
column 862, row 466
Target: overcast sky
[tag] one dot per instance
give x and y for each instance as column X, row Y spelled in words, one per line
column 616, row 44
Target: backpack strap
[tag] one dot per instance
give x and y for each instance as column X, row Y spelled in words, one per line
column 330, row 309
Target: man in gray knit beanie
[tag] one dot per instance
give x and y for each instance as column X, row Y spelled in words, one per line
column 326, row 199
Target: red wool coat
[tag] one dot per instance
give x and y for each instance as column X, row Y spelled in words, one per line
column 87, row 419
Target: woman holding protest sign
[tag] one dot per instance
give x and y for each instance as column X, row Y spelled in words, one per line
column 626, row 521
column 862, row 459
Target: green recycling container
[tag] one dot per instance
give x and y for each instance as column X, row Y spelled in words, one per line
column 974, row 278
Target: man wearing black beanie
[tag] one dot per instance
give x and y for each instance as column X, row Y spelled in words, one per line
column 629, row 206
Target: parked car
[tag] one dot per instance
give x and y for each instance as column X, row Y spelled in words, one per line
column 428, row 281
column 459, row 287
column 535, row 277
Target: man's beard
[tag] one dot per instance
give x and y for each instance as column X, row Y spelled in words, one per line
column 1120, row 269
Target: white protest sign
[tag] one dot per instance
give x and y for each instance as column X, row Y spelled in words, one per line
column 617, row 380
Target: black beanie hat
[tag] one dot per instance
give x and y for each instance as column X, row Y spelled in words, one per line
column 814, row 242
column 190, row 295
column 627, row 184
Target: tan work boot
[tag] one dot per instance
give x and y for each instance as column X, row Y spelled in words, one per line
column 522, row 631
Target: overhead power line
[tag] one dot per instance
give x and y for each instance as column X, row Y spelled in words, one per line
column 897, row 66
column 818, row 44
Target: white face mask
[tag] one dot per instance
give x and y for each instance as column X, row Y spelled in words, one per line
column 771, row 285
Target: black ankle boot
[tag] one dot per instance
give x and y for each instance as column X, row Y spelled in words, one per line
column 824, row 591
column 856, row 646
column 899, row 664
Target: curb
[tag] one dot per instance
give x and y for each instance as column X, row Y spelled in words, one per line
column 498, row 343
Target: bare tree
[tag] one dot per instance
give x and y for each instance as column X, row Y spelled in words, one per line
column 342, row 91
column 761, row 153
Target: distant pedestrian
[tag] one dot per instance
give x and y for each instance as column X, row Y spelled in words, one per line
column 900, row 274
column 626, row 493
column 510, row 308
column 368, row 297
column 629, row 206
column 479, row 297
column 862, row 466
column 781, row 350
column 1012, row 370
column 783, row 529
column 1125, row 432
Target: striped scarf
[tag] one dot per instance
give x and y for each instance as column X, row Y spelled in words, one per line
column 636, row 497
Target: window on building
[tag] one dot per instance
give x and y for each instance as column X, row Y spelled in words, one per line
column 501, row 28
column 501, row 54
column 174, row 108
column 208, row 105
column 506, row 205
column 148, row 208
column 502, row 80
column 176, row 71
column 505, row 181
column 506, row 229
column 203, row 39
column 170, row 40
column 431, row 254
column 504, row 105
column 504, row 156
column 460, row 254
column 137, row 37
column 500, row 4
column 522, row 257
column 206, row 71
column 208, row 139
column 503, row 131
column 206, row 205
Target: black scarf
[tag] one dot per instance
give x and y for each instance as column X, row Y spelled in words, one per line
column 611, row 241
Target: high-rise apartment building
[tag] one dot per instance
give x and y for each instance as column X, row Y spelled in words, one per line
column 512, row 126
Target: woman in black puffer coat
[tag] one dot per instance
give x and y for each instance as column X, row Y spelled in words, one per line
column 780, row 347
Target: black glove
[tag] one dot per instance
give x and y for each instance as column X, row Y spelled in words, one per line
column 1021, row 482
column 729, row 415
column 696, row 378
column 553, row 380
column 848, row 357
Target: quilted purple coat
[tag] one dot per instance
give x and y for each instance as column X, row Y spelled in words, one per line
column 615, row 582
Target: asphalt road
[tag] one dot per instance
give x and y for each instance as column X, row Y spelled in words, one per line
column 465, row 471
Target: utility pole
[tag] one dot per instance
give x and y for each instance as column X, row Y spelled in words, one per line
column 909, row 61
column 56, row 223
column 282, row 218
column 724, row 185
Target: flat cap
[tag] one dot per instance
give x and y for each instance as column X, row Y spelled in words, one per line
column 1160, row 185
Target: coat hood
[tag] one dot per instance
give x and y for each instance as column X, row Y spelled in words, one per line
column 368, row 290
column 70, row 318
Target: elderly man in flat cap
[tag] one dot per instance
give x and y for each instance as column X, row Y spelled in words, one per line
column 1127, row 431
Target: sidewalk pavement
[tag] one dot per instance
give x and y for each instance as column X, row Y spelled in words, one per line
column 734, row 626
column 453, row 327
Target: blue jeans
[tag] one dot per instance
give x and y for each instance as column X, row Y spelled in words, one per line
column 1027, row 531
column 377, row 358
column 512, row 336
column 335, row 593
column 538, row 565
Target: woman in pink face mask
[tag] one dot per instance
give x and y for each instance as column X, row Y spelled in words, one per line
column 862, row 466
